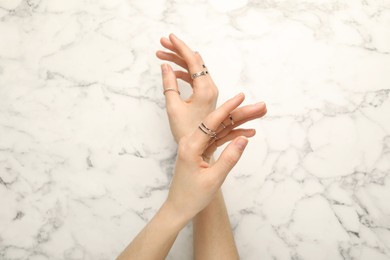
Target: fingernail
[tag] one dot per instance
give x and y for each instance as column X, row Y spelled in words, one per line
column 239, row 95
column 241, row 143
column 260, row 104
column 164, row 68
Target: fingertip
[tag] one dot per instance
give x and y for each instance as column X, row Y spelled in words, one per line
column 172, row 37
column 241, row 142
column 165, row 68
column 252, row 132
column 239, row 96
column 163, row 39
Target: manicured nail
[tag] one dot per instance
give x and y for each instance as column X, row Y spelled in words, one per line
column 241, row 143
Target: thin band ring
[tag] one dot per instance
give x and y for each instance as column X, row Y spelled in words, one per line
column 223, row 125
column 171, row 89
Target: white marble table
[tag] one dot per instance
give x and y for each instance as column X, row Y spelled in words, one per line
column 85, row 149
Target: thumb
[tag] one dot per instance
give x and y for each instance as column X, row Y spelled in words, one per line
column 230, row 156
column 171, row 89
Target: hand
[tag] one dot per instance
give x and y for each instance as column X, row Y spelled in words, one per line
column 185, row 115
column 195, row 182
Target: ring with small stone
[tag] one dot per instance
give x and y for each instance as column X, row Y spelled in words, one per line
column 200, row 73
column 231, row 119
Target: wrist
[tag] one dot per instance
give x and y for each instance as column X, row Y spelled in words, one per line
column 177, row 217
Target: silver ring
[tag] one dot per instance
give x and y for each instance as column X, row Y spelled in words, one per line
column 200, row 73
column 207, row 130
column 223, row 125
column 171, row 89
column 231, row 119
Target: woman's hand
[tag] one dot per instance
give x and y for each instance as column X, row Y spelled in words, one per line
column 185, row 115
column 195, row 182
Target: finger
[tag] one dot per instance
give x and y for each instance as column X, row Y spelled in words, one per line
column 242, row 113
column 171, row 91
column 229, row 157
column 221, row 141
column 193, row 60
column 166, row 43
column 213, row 120
column 243, row 118
column 233, row 134
column 183, row 76
column 162, row 55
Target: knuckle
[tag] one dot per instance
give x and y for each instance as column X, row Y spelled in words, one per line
column 209, row 94
column 185, row 148
column 198, row 58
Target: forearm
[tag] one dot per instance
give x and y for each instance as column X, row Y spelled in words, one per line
column 213, row 237
column 157, row 237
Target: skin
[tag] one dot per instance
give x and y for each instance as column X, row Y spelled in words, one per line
column 195, row 188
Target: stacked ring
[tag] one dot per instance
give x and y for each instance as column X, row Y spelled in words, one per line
column 207, row 131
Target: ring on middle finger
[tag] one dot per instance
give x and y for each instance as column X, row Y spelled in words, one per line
column 200, row 73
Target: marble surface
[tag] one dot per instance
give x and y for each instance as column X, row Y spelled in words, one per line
column 86, row 153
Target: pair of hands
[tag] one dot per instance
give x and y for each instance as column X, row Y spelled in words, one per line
column 195, row 181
